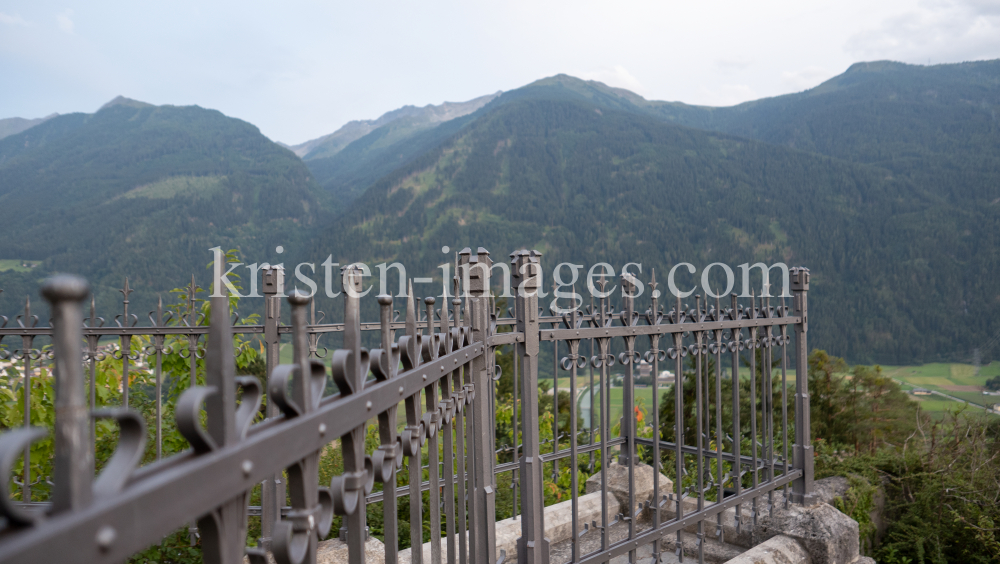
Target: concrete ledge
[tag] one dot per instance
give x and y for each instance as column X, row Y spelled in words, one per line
column 558, row 525
column 776, row 550
column 334, row 551
column 820, row 532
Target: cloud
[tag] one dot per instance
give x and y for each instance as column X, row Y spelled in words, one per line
column 64, row 20
column 805, row 78
column 935, row 30
column 617, row 76
column 12, row 20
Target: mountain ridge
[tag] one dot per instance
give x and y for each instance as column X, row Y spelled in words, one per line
column 15, row 125
column 355, row 129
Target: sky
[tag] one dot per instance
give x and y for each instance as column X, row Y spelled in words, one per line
column 299, row 70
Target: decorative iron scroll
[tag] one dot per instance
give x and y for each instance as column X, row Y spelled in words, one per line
column 127, row 508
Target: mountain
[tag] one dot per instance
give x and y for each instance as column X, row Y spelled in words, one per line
column 416, row 118
column 901, row 263
column 936, row 125
column 143, row 191
column 359, row 153
column 884, row 181
column 15, row 125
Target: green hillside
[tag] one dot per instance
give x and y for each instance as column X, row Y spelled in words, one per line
column 937, row 125
column 891, row 264
column 355, row 156
column 143, row 191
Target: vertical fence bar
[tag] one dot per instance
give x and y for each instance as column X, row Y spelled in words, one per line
column 482, row 502
column 158, row 351
column 26, row 350
column 653, row 318
column 73, row 467
column 469, row 379
column 272, row 489
column 768, row 405
column 699, row 441
column 590, row 392
column 802, row 488
column 463, row 424
column 753, row 406
column 353, row 443
column 413, row 434
column 784, row 400
column 604, row 387
column 735, row 346
column 573, row 364
column 448, row 404
column 126, row 343
column 678, row 354
column 433, row 469
column 532, row 546
column 460, row 435
column 515, row 418
column 555, row 399
column 626, row 454
column 720, row 433
column 92, row 341
column 223, row 530
column 389, row 451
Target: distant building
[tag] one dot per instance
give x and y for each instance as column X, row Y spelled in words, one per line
column 645, row 370
column 921, row 392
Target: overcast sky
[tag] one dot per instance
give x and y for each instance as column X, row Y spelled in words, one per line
column 299, row 70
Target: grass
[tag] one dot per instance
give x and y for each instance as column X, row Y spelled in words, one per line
column 644, row 395
column 15, row 264
column 178, row 186
column 939, row 377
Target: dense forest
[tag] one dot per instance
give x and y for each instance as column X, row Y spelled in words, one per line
column 894, row 267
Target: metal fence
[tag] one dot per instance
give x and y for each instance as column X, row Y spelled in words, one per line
column 714, row 460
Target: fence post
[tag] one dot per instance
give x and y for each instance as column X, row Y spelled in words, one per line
column 482, row 498
column 532, row 546
column 273, row 488
column 802, row 450
column 74, row 460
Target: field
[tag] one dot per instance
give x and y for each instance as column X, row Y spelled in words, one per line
column 16, row 264
column 958, row 380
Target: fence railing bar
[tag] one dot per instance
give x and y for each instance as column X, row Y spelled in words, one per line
column 662, row 329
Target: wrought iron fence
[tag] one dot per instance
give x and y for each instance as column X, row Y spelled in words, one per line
column 433, row 377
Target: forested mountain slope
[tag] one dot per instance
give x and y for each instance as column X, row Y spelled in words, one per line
column 894, row 269
column 359, row 153
column 143, row 191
